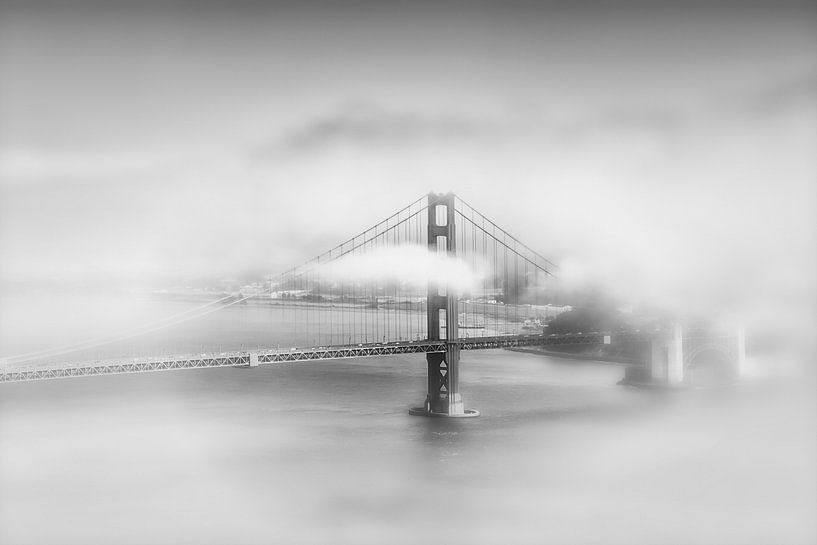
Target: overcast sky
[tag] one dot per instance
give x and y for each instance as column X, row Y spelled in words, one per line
column 659, row 146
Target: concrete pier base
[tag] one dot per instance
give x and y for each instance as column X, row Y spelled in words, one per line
column 422, row 411
column 446, row 408
column 443, row 397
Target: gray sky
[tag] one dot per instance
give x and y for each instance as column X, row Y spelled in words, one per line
column 653, row 146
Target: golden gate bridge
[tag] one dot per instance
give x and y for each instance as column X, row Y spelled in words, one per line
column 437, row 277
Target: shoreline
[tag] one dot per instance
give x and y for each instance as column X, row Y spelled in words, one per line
column 576, row 356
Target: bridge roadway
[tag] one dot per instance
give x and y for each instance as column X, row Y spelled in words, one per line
column 246, row 358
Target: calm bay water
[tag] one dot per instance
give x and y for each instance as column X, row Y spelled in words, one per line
column 325, row 452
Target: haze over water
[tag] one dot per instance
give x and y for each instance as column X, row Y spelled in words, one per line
column 325, row 452
column 661, row 153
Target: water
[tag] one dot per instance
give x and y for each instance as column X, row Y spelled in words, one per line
column 325, row 452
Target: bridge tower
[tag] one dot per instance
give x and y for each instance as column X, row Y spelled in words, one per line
column 444, row 398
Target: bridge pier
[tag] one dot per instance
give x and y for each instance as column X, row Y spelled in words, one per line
column 697, row 357
column 666, row 360
column 444, row 398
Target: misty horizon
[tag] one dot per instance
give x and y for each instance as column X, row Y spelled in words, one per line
column 191, row 187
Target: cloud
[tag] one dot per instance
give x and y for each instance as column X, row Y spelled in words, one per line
column 791, row 93
column 411, row 265
column 658, row 119
column 368, row 124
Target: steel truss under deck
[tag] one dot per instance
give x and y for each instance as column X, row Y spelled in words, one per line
column 233, row 359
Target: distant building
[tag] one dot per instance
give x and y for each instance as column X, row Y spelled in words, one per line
column 253, row 290
column 289, row 294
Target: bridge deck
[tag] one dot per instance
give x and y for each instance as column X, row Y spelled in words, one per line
column 232, row 359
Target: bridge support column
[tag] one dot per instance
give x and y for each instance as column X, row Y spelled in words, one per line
column 667, row 358
column 444, row 398
column 664, row 362
column 698, row 357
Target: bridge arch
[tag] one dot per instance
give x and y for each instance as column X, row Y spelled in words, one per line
column 710, row 363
